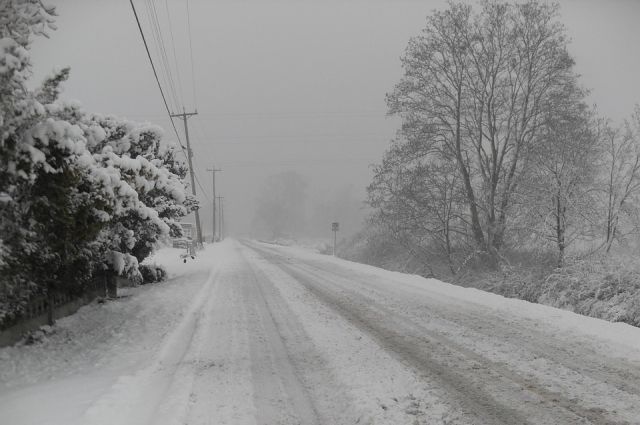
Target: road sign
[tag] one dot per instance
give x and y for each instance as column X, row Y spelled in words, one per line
column 335, row 226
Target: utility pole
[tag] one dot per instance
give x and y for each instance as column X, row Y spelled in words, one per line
column 213, row 222
column 184, row 115
column 220, row 216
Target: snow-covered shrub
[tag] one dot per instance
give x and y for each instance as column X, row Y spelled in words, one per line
column 152, row 170
column 39, row 335
column 603, row 287
column 152, row 273
column 79, row 192
column 50, row 225
column 378, row 247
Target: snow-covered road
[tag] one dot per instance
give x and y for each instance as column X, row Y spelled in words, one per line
column 258, row 334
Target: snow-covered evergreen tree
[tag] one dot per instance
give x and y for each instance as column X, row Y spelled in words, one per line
column 79, row 192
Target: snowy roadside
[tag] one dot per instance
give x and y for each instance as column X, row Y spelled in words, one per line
column 617, row 339
column 542, row 364
column 87, row 351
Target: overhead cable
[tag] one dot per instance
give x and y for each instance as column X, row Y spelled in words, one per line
column 155, row 73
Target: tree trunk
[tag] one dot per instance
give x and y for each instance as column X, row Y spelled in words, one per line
column 476, row 228
column 560, row 230
column 50, row 307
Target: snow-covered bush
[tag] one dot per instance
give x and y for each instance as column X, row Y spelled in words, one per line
column 604, row 287
column 79, row 192
column 152, row 273
column 376, row 246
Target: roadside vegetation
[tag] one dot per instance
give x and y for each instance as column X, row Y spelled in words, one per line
column 81, row 194
column 502, row 175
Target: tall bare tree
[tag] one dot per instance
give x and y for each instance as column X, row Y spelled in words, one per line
column 474, row 93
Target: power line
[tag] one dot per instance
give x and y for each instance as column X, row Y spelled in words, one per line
column 155, row 73
column 164, row 58
column 156, row 44
column 164, row 98
column 161, row 71
column 220, row 216
column 213, row 172
column 201, row 188
column 193, row 75
column 173, row 46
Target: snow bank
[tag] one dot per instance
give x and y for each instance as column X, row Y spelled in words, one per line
column 97, row 350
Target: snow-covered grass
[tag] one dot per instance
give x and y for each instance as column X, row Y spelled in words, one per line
column 605, row 286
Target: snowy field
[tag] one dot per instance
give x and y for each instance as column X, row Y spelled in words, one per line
column 252, row 333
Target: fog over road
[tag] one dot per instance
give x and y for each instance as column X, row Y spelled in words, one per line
column 279, row 335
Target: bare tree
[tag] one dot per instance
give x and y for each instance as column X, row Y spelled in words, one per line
column 560, row 188
column 621, row 164
column 475, row 90
column 419, row 202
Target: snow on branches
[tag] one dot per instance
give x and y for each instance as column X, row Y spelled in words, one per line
column 80, row 193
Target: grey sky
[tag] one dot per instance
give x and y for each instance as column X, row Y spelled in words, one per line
column 293, row 85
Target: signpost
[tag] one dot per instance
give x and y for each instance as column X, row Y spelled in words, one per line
column 335, row 226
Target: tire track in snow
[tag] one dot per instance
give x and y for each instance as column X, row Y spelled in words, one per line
column 142, row 398
column 221, row 391
column 254, row 355
column 318, row 383
column 517, row 389
column 431, row 353
column 562, row 366
column 622, row 374
column 279, row 392
column 354, row 381
column 478, row 406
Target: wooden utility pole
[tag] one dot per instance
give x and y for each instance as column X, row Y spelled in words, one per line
column 184, row 115
column 213, row 222
column 220, row 215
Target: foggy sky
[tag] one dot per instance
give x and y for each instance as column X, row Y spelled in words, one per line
column 292, row 85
